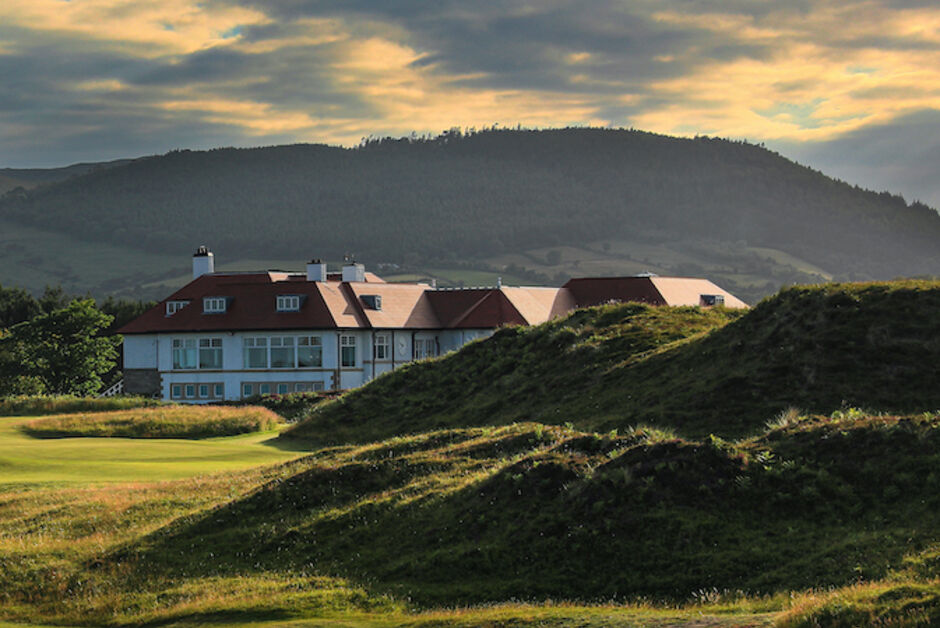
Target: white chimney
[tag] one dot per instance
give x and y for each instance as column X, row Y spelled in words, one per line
column 354, row 272
column 316, row 270
column 203, row 262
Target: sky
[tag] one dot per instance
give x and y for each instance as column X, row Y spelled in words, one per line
column 848, row 87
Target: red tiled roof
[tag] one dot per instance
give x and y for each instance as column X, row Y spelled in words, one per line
column 339, row 305
column 589, row 291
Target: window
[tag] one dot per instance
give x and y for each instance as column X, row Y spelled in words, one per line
column 309, row 351
column 425, row 348
column 193, row 353
column 282, row 388
column 210, row 353
column 176, row 391
column 203, row 391
column 255, row 353
column 288, row 303
column 184, row 353
column 172, row 307
column 708, row 300
column 282, row 352
column 347, row 350
column 382, row 347
column 218, row 391
column 190, row 390
column 214, row 305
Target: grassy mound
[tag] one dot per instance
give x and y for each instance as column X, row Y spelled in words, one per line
column 161, row 422
column 904, row 604
column 34, row 405
column 532, row 512
column 819, row 348
column 551, row 372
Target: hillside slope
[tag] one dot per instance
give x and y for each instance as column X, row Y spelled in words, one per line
column 817, row 348
column 534, row 512
column 463, row 199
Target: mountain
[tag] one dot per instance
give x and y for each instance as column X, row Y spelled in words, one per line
column 540, row 205
column 11, row 178
column 698, row 372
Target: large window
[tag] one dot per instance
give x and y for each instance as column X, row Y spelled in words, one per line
column 282, row 352
column 256, row 353
column 425, row 348
column 309, row 351
column 210, row 353
column 382, row 351
column 347, row 345
column 193, row 353
column 184, row 353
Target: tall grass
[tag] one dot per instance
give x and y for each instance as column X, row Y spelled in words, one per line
column 161, row 422
column 29, row 405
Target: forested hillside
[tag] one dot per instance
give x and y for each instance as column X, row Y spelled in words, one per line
column 464, row 199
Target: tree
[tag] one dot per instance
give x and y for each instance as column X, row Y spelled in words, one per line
column 61, row 350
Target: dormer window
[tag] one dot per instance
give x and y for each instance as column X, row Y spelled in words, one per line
column 214, row 305
column 172, row 307
column 288, row 303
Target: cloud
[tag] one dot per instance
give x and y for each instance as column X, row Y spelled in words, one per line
column 101, row 79
column 901, row 156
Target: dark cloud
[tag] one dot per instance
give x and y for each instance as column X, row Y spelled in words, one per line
column 901, row 156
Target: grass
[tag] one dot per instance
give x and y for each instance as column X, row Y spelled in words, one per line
column 70, row 461
column 28, row 405
column 76, row 523
column 519, row 525
column 551, row 373
column 162, row 422
column 697, row 372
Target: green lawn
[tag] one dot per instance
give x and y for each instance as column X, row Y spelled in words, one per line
column 88, row 460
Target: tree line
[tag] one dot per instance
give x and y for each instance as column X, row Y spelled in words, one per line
column 470, row 195
column 59, row 344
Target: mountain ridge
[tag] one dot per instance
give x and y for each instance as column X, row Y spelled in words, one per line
column 472, row 199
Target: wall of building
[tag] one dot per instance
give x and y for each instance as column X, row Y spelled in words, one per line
column 154, row 352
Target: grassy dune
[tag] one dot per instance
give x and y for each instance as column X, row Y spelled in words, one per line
column 76, row 517
column 713, row 372
column 162, row 422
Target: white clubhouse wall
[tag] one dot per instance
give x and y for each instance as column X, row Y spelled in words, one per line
column 155, row 351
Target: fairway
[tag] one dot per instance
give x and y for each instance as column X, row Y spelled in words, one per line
column 27, row 460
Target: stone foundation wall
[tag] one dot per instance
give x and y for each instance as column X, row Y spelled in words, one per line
column 142, row 382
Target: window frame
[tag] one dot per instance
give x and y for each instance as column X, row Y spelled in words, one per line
column 172, row 307
column 287, row 303
column 382, row 344
column 214, row 305
column 348, row 342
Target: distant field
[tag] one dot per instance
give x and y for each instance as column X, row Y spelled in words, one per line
column 33, row 258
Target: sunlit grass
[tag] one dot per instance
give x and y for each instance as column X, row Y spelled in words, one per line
column 180, row 421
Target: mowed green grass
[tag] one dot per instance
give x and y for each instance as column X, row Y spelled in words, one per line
column 24, row 459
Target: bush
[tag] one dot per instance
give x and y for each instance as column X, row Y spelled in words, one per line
column 28, row 405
